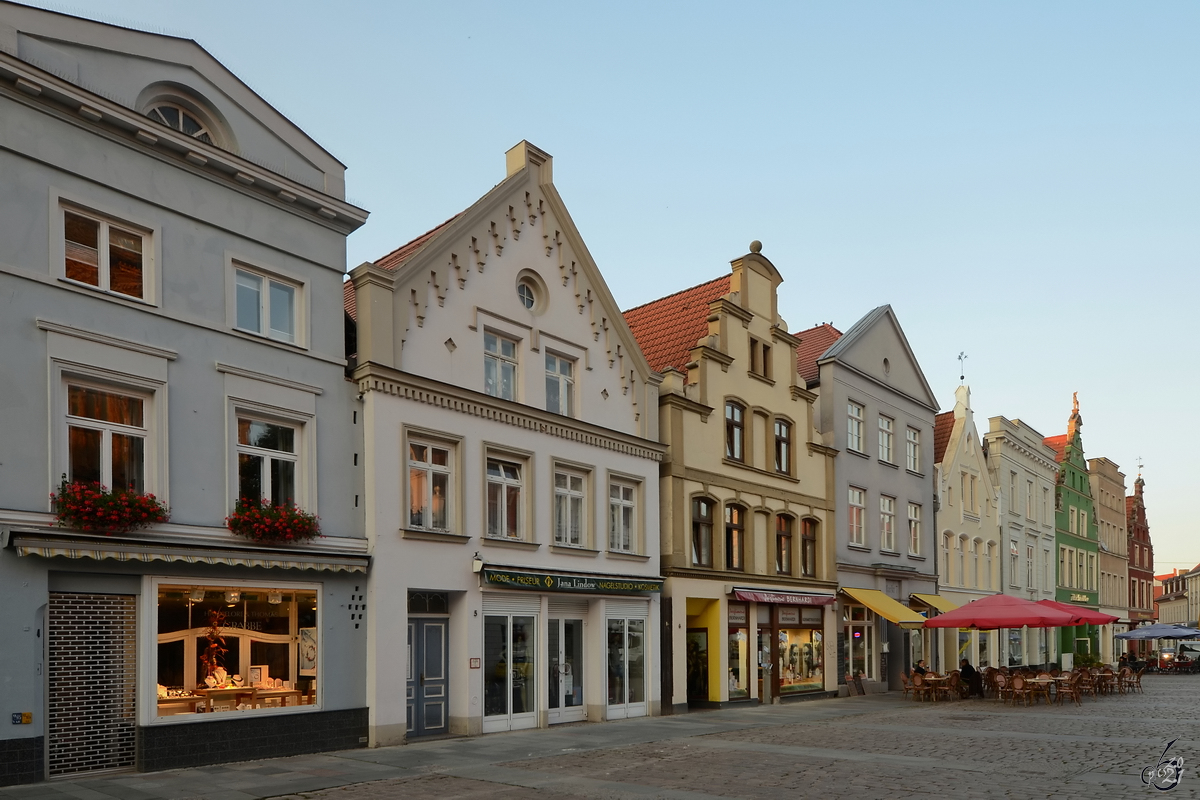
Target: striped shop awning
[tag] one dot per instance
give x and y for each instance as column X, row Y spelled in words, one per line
column 57, row 546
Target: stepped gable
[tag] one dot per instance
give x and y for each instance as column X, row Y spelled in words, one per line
column 942, row 428
column 813, row 344
column 668, row 328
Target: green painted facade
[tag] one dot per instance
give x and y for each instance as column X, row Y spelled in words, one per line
column 1077, row 538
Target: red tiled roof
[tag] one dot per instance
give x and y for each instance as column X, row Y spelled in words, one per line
column 350, row 299
column 397, row 257
column 814, row 342
column 943, row 426
column 1059, row 443
column 668, row 328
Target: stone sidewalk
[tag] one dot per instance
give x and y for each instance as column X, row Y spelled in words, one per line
column 875, row 746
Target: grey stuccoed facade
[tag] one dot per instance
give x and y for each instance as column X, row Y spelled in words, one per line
column 171, row 259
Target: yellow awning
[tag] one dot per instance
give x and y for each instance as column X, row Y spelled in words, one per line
column 935, row 601
column 886, row 607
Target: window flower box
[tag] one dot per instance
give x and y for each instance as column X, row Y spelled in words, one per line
column 93, row 507
column 262, row 522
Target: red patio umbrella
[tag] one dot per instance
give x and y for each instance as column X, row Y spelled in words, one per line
column 1083, row 616
column 1001, row 611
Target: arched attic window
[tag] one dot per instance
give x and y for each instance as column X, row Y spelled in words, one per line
column 178, row 118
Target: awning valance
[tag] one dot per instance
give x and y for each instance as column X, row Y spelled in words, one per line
column 52, row 546
column 886, row 607
column 783, row 598
column 935, row 601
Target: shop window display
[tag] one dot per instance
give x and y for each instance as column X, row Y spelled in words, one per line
column 739, row 653
column 860, row 641
column 801, row 664
column 230, row 648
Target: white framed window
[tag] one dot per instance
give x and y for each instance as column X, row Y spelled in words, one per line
column 107, row 433
column 886, row 437
column 1073, row 520
column 499, row 366
column 913, row 454
column 735, row 421
column 887, row 523
column 560, row 385
column 430, row 485
column 267, row 460
column 946, row 558
column 622, row 516
column 266, row 305
column 975, row 545
column 1083, row 519
column 178, row 118
column 505, row 515
column 854, row 427
column 1029, row 566
column 106, row 253
column 989, row 579
column 1029, row 499
column 857, row 515
column 914, row 529
column 570, row 508
column 1014, row 554
column 962, row 561
column 783, row 447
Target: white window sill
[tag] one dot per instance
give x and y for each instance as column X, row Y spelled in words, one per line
column 518, row 544
column 573, row 550
column 260, row 337
column 434, row 536
column 107, row 293
column 624, row 556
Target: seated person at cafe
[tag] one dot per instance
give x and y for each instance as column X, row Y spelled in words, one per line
column 920, row 668
column 971, row 678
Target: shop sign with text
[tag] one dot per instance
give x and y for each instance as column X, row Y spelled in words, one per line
column 549, row 582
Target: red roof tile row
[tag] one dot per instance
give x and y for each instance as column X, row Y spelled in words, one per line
column 813, row 343
column 350, row 300
column 668, row 328
column 1059, row 443
column 943, row 426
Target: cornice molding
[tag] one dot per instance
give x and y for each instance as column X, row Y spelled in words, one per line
column 674, row 400
column 229, row 369
column 372, row 377
column 111, row 341
column 44, row 90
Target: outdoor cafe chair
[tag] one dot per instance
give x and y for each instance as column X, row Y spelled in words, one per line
column 920, row 689
column 1003, row 689
column 1124, row 680
column 1087, row 683
column 948, row 687
column 1069, row 688
column 1137, row 679
column 905, row 686
column 1054, row 672
column 1042, row 689
column 1019, row 690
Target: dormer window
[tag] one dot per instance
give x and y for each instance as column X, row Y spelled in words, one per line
column 180, row 119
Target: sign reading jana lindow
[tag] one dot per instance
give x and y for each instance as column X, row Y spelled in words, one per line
column 547, row 582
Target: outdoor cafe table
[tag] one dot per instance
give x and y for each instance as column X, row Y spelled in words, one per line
column 935, row 682
column 1047, row 682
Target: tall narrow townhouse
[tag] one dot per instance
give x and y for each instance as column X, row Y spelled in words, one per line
column 877, row 410
column 171, row 257
column 1023, row 471
column 1108, row 490
column 1076, row 536
column 747, row 548
column 1141, row 564
column 968, row 532
column 512, row 475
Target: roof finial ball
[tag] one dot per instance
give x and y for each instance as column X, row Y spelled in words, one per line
column 756, row 246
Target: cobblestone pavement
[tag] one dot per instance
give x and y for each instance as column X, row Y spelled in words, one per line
column 872, row 747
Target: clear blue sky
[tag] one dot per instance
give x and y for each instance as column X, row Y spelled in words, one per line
column 1020, row 181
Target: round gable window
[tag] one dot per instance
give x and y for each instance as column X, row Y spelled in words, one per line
column 527, row 295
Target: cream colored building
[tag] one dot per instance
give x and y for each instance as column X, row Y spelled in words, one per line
column 968, row 525
column 1023, row 470
column 747, row 548
column 1108, row 491
column 511, row 466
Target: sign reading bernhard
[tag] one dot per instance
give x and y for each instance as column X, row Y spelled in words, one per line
column 548, row 582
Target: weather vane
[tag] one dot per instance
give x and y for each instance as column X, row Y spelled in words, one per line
column 962, row 356
column 1140, row 465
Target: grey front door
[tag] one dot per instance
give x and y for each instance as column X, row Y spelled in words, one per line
column 427, row 684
